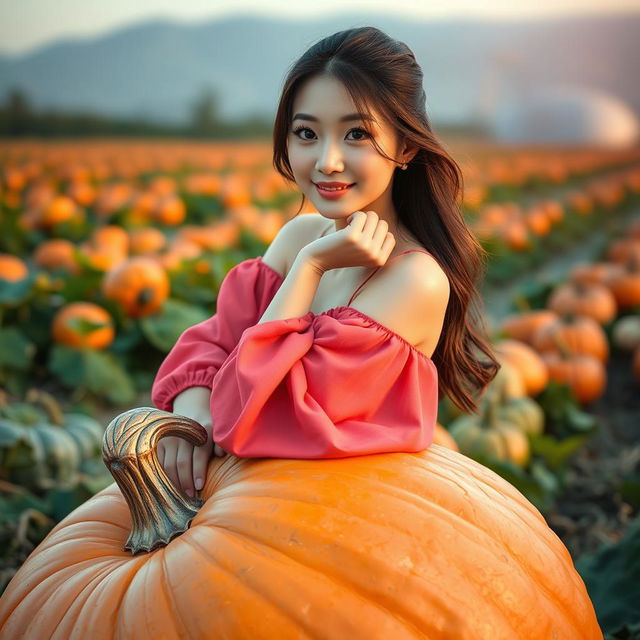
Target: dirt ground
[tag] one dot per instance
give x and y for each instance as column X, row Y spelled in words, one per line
column 593, row 510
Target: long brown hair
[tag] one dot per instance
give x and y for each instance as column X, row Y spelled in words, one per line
column 377, row 70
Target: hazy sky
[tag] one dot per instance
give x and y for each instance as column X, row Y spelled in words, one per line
column 25, row 24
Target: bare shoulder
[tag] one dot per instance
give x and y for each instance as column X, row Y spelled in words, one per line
column 410, row 298
column 420, row 273
column 425, row 269
column 292, row 236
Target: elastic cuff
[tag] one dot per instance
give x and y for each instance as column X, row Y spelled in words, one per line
column 163, row 395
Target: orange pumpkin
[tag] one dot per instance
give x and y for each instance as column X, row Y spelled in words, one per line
column 12, row 268
column 56, row 253
column 585, row 375
column 622, row 250
column 170, row 210
column 526, row 361
column 111, row 237
column 575, row 334
column 140, row 285
column 593, row 300
column 625, row 286
column 402, row 545
column 83, row 324
column 60, row 209
column 522, row 326
column 147, row 240
column 595, row 273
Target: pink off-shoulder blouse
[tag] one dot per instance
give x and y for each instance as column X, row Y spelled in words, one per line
column 328, row 385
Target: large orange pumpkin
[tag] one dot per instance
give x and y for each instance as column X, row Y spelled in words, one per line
column 402, row 545
column 140, row 285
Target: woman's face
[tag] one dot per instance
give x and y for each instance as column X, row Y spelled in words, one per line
column 331, row 150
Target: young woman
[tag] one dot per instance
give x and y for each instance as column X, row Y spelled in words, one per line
column 290, row 365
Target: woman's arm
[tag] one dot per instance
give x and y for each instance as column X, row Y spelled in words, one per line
column 295, row 295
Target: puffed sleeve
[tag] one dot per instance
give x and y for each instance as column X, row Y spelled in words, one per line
column 331, row 385
column 199, row 352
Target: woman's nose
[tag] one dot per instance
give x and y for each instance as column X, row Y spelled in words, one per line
column 330, row 158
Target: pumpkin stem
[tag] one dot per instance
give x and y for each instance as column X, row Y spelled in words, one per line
column 159, row 511
column 580, row 288
column 48, row 403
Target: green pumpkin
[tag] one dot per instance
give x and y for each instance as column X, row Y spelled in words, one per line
column 43, row 449
column 490, row 434
column 524, row 413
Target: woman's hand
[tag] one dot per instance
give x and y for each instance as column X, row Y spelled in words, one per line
column 184, row 463
column 364, row 242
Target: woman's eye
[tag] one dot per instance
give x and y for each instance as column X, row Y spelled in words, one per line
column 357, row 130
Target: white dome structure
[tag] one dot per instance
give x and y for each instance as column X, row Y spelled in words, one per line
column 565, row 115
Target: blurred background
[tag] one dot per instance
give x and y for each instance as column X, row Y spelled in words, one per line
column 136, row 170
column 543, row 71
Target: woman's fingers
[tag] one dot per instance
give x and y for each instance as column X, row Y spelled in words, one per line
column 169, row 464
column 184, row 466
column 201, row 457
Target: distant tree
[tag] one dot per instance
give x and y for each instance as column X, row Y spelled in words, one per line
column 17, row 116
column 205, row 113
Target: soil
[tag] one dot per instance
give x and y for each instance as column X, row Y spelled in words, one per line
column 593, row 511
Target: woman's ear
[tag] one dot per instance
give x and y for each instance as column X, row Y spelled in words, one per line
column 408, row 151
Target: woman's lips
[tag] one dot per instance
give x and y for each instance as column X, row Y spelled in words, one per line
column 333, row 194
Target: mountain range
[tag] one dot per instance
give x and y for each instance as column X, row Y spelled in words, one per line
column 160, row 68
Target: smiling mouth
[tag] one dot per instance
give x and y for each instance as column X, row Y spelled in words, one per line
column 334, row 188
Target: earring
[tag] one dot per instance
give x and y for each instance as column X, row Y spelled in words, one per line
column 405, row 166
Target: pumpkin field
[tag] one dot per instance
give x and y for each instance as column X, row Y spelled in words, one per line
column 110, row 249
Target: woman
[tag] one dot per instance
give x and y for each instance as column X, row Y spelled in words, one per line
column 285, row 368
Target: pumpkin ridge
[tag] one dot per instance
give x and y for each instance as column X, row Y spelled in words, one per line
column 561, row 607
column 77, row 609
column 43, row 584
column 516, row 563
column 352, row 588
column 166, row 579
column 276, row 606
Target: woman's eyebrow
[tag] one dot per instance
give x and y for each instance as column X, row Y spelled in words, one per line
column 348, row 118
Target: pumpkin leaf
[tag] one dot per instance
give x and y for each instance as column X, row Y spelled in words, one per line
column 98, row 371
column 564, row 415
column 578, row 420
column 107, row 378
column 84, row 326
column 612, row 577
column 556, row 452
column 68, row 364
column 13, row 293
column 16, row 351
column 545, row 478
column 162, row 329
